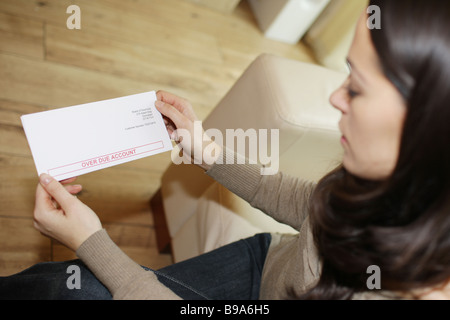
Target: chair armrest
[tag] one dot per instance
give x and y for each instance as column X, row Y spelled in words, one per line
column 292, row 96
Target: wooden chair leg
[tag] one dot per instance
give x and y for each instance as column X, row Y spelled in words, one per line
column 161, row 229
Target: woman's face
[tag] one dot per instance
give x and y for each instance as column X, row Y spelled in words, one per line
column 373, row 112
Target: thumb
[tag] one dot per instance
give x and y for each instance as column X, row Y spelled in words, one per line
column 56, row 190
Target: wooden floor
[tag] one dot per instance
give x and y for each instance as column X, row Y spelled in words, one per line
column 123, row 47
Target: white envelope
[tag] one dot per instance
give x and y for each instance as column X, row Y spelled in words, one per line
column 76, row 140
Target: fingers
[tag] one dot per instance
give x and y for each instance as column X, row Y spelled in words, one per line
column 170, row 126
column 74, row 189
column 67, row 181
column 181, row 104
column 56, row 190
column 171, row 98
column 43, row 199
column 171, row 113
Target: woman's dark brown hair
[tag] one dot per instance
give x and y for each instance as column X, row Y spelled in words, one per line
column 401, row 225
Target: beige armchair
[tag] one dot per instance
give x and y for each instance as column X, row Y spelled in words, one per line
column 193, row 213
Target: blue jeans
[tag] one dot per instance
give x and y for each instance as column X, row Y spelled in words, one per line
column 232, row 272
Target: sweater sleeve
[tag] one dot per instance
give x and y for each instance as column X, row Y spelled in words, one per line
column 123, row 277
column 285, row 198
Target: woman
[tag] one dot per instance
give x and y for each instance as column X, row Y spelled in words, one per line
column 388, row 204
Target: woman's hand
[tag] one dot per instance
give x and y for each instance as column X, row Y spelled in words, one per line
column 60, row 215
column 181, row 121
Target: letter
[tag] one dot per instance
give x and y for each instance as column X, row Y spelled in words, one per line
column 274, row 158
column 74, row 21
column 374, row 281
column 241, row 136
column 192, row 310
column 200, row 310
column 210, row 151
column 258, row 309
column 177, row 155
column 103, row 159
column 243, row 310
column 374, row 21
column 198, row 142
column 74, row 281
column 227, row 309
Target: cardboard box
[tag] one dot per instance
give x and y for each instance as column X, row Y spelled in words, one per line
column 286, row 20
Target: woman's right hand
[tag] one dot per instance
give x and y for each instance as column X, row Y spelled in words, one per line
column 186, row 130
column 58, row 214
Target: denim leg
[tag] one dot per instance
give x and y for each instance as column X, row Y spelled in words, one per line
column 232, row 272
column 48, row 281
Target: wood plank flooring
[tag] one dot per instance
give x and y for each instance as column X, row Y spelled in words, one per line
column 123, row 47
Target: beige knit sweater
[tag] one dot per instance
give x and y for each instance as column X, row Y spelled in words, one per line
column 291, row 267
